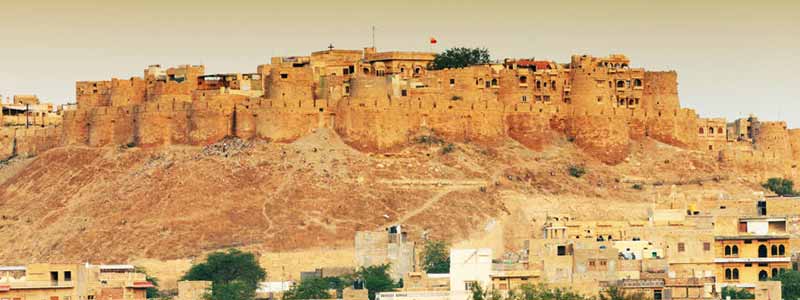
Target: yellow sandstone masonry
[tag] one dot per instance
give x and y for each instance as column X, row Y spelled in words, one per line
column 379, row 101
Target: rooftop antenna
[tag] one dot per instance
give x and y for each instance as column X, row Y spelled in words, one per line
column 373, row 36
column 330, row 47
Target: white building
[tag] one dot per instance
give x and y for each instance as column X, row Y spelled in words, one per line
column 469, row 267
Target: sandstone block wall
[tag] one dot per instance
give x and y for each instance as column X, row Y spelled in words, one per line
column 660, row 91
column 532, row 125
column 794, row 143
column 6, row 143
column 600, row 102
column 28, row 142
column 773, row 137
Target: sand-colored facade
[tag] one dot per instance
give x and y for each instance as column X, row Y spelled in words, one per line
column 378, row 101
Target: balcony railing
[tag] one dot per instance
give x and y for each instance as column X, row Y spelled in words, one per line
column 693, row 281
column 752, row 259
column 41, row 284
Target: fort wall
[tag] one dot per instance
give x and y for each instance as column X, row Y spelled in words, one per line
column 773, row 137
column 794, row 143
column 127, row 92
column 367, row 127
column 6, row 142
column 531, row 126
column 660, row 91
column 600, row 103
column 605, row 137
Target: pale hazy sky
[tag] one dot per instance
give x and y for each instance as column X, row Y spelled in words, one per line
column 732, row 57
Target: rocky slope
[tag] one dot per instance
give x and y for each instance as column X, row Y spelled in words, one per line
column 122, row 204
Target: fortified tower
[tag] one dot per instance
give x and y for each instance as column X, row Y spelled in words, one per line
column 593, row 122
column 661, row 91
column 371, row 118
column 290, row 81
column 773, row 139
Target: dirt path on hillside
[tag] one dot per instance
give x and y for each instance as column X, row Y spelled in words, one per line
column 449, row 186
column 287, row 179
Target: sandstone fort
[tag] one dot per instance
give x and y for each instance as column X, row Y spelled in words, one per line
column 585, row 174
column 379, row 101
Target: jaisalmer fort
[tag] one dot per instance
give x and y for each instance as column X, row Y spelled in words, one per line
column 365, row 174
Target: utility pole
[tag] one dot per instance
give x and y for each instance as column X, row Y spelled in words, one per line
column 373, row 36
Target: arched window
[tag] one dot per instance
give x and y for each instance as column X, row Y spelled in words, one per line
column 728, row 275
column 735, row 250
column 735, row 274
column 630, row 101
column 637, row 82
column 553, row 84
column 523, row 79
column 774, row 272
column 620, row 83
column 727, row 250
column 711, row 130
column 720, row 131
column 781, row 250
column 417, row 70
column 538, row 84
column 762, row 251
column 702, row 131
column 774, row 250
column 494, row 81
column 763, row 275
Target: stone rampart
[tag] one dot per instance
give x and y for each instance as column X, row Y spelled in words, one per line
column 601, row 104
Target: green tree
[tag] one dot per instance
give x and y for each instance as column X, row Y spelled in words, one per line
column 790, row 284
column 339, row 283
column 314, row 288
column 780, row 186
column 152, row 292
column 542, row 292
column 234, row 290
column 234, row 274
column 479, row 293
column 576, row 171
column 460, row 57
column 615, row 293
column 736, row 293
column 376, row 279
column 435, row 258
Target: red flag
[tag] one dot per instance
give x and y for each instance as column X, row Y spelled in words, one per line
column 433, row 40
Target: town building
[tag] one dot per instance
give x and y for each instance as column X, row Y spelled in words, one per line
column 756, row 251
column 72, row 282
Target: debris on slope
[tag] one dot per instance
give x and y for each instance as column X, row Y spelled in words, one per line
column 227, row 147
